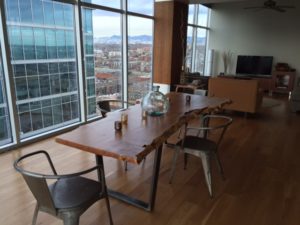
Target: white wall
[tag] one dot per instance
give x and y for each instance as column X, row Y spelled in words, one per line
column 248, row 32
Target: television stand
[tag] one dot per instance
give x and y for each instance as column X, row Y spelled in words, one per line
column 265, row 83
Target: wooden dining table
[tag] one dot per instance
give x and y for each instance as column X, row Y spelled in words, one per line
column 138, row 137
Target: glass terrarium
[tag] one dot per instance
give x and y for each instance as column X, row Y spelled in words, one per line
column 155, row 103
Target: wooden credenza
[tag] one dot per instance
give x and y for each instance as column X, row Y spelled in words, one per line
column 265, row 84
column 280, row 81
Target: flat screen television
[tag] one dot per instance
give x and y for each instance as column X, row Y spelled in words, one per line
column 254, row 65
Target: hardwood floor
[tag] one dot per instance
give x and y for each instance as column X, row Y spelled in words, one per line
column 261, row 160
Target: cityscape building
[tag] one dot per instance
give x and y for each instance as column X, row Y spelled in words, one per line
column 43, row 56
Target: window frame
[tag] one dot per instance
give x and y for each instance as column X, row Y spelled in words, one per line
column 83, row 117
column 194, row 26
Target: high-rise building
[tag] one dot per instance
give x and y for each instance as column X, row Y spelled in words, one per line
column 43, row 57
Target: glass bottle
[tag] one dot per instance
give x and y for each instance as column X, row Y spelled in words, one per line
column 155, row 103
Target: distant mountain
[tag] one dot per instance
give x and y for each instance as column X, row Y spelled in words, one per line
column 200, row 40
column 115, row 39
column 143, row 39
column 147, row 39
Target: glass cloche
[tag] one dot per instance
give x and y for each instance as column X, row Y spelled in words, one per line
column 155, row 103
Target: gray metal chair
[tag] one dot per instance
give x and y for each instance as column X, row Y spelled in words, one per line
column 203, row 143
column 69, row 196
column 106, row 106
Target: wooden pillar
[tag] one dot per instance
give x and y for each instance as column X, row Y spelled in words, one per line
column 170, row 30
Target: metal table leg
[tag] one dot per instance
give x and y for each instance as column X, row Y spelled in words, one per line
column 148, row 206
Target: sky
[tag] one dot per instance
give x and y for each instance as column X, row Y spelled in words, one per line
column 109, row 23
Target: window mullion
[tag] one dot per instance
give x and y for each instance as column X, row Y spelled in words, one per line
column 9, row 80
column 125, row 51
column 194, row 39
column 194, row 43
column 81, row 60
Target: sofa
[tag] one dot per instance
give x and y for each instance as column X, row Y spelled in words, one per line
column 244, row 94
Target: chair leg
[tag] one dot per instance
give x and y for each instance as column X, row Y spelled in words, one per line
column 175, row 156
column 36, row 210
column 219, row 165
column 207, row 172
column 71, row 219
column 179, row 134
column 185, row 160
column 109, row 211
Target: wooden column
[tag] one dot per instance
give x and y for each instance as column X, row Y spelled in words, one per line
column 170, row 30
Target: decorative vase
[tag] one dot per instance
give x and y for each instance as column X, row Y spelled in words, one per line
column 155, row 103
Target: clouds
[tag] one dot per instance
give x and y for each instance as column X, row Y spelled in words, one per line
column 108, row 24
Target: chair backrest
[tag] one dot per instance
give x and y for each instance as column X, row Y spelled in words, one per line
column 104, row 107
column 37, row 183
column 187, row 90
column 40, row 190
column 201, row 92
column 108, row 105
column 216, row 122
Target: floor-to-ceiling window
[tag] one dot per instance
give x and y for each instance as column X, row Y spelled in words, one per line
column 139, row 57
column 103, row 54
column 140, row 45
column 118, row 52
column 197, row 38
column 59, row 67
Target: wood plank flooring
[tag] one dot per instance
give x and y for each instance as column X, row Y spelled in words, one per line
column 261, row 159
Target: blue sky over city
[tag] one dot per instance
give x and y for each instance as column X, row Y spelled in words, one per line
column 107, row 23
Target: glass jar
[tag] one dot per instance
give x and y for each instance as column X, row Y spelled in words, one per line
column 155, row 103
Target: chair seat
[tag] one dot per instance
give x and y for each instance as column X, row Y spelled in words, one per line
column 212, row 126
column 74, row 192
column 198, row 143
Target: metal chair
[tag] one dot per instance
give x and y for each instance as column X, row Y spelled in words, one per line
column 69, row 196
column 203, row 143
column 188, row 89
column 105, row 106
column 201, row 92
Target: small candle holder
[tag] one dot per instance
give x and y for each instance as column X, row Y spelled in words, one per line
column 124, row 118
column 188, row 98
column 144, row 114
column 118, row 125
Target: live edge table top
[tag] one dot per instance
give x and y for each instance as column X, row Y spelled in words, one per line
column 139, row 136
